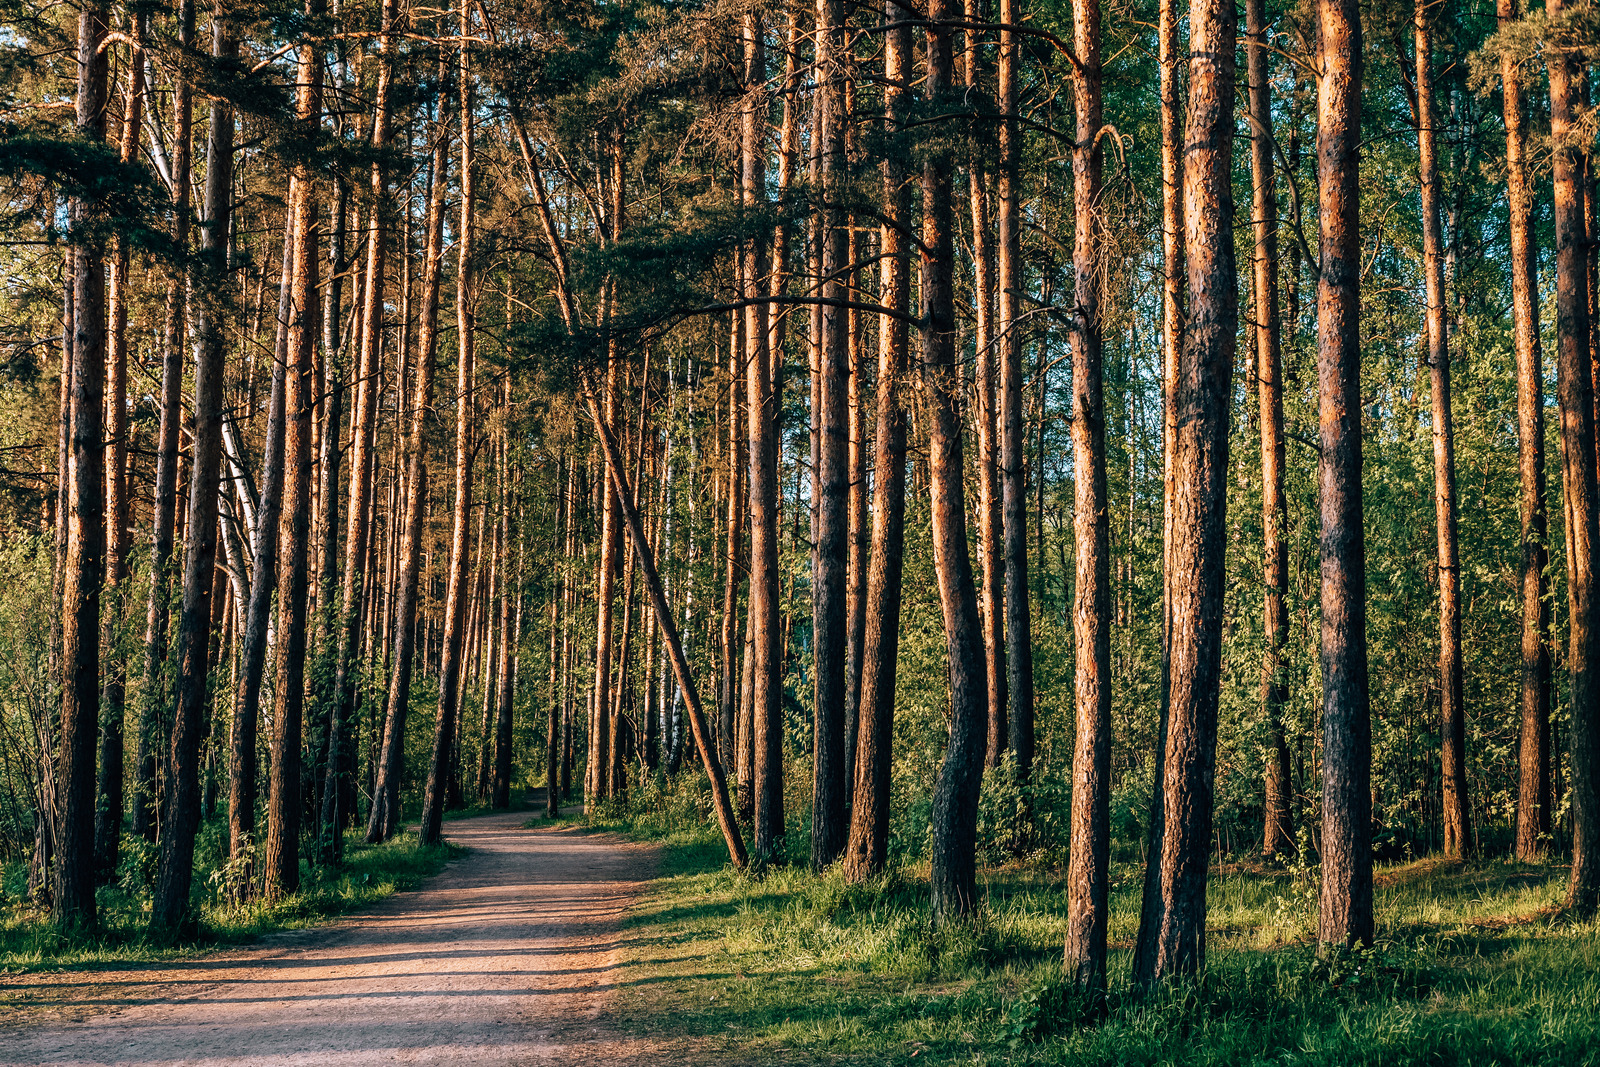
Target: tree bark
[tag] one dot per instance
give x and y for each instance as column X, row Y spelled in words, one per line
column 72, row 902
column 1452, row 716
column 1278, row 827
column 952, row 878
column 280, row 862
column 1575, row 392
column 1088, row 877
column 1013, row 428
column 1533, row 793
column 828, row 603
column 1199, row 504
column 118, row 539
column 1346, row 898
column 169, row 910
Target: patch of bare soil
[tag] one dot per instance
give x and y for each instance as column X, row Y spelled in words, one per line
column 509, row 956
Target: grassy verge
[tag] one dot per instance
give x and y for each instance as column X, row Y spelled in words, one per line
column 370, row 873
column 1473, row 966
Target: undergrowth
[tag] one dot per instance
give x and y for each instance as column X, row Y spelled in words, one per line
column 28, row 941
column 1473, row 965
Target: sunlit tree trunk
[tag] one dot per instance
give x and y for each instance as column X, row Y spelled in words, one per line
column 1278, row 830
column 1346, row 900
column 118, row 539
column 1575, row 393
column 1533, row 794
column 1199, row 504
column 1088, row 877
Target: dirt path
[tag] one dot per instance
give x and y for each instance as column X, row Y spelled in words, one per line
column 506, row 957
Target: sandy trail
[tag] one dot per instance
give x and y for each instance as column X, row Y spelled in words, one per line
column 506, row 957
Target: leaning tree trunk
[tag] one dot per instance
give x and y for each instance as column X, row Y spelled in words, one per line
column 953, row 834
column 1533, row 794
column 1452, row 716
column 1089, row 875
column 1575, row 389
column 1346, row 901
column 170, row 907
column 73, row 903
column 1199, row 504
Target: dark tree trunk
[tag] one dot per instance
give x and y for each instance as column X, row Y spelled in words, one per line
column 952, row 878
column 831, row 561
column 169, row 910
column 1013, row 427
column 1346, row 905
column 72, row 902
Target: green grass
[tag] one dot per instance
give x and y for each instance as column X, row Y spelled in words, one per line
column 370, row 873
column 1473, row 965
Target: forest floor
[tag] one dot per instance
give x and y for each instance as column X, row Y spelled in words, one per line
column 1474, row 964
column 508, row 956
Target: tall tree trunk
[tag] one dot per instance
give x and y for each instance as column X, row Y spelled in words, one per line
column 416, row 449
column 1533, row 794
column 358, row 529
column 280, row 861
column 1452, row 716
column 73, row 903
column 169, row 909
column 1199, row 505
column 1278, row 829
column 1089, row 874
column 729, row 712
column 510, row 614
column 991, row 602
column 566, row 477
column 1346, row 904
column 1575, row 389
column 761, row 412
column 868, row 846
column 445, row 727
column 953, row 841
column 118, row 541
column 828, row 827
column 242, row 785
column 1010, row 283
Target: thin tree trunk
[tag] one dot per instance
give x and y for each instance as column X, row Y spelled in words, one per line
column 1533, row 794
column 1278, row 828
column 118, row 540
column 169, row 910
column 1346, row 902
column 1452, row 716
column 1199, row 505
column 73, row 903
column 1575, row 389
column 566, row 477
column 440, row 764
column 510, row 615
column 1088, row 876
column 1009, row 279
column 867, row 849
column 831, row 561
column 731, row 710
